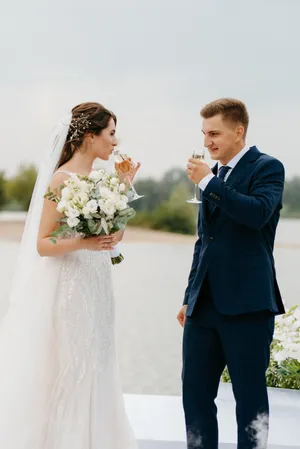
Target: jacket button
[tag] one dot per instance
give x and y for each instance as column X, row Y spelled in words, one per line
column 211, row 238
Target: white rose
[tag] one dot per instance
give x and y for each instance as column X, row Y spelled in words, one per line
column 75, row 180
column 96, row 175
column 84, row 186
column 81, row 199
column 92, row 206
column 71, row 212
column 62, row 206
column 73, row 221
column 111, row 201
column 113, row 198
column 124, row 198
column 86, row 213
column 114, row 181
column 66, row 194
column 111, row 211
column 98, row 164
column 101, row 203
column 122, row 187
column 104, row 192
column 121, row 205
column 108, row 209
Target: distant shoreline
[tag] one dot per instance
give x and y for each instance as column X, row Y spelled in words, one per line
column 12, row 230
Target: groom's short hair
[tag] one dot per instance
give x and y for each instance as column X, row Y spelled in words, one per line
column 230, row 109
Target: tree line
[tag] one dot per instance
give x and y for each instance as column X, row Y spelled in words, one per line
column 164, row 206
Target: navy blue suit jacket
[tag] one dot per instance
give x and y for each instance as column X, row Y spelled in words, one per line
column 236, row 232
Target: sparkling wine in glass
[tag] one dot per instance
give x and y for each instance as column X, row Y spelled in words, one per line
column 197, row 154
column 124, row 164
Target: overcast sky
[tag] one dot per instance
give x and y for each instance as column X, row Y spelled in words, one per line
column 155, row 63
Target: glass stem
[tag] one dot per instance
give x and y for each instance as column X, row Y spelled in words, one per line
column 131, row 186
column 195, row 192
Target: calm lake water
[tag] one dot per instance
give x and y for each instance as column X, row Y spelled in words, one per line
column 149, row 287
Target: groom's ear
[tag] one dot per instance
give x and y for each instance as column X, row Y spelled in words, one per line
column 240, row 131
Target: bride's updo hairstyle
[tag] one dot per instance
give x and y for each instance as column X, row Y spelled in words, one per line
column 86, row 118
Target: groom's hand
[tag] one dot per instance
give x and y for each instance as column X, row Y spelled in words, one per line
column 181, row 315
column 197, row 169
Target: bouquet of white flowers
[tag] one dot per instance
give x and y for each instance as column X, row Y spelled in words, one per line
column 92, row 205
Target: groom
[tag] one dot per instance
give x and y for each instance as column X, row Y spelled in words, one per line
column 232, row 294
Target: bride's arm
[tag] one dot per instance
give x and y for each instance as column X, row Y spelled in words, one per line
column 49, row 223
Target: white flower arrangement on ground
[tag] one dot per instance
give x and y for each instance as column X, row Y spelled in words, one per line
column 287, row 336
column 92, row 205
column 284, row 367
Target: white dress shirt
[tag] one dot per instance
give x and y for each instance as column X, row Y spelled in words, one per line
column 203, row 183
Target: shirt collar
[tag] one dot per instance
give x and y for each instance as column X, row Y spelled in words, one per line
column 232, row 163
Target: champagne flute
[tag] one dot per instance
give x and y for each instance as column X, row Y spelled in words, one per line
column 197, row 154
column 124, row 165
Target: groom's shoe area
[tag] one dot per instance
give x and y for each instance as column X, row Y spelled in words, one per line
column 158, row 421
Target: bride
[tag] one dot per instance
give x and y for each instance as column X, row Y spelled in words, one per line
column 59, row 380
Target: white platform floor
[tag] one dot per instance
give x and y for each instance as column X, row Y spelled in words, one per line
column 158, row 421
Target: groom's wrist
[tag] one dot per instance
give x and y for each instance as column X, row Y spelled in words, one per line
column 203, row 183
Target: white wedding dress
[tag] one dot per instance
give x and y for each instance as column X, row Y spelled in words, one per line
column 59, row 379
column 73, row 398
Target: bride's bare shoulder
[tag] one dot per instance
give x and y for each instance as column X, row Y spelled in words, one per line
column 58, row 178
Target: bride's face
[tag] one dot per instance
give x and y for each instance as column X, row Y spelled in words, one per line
column 104, row 144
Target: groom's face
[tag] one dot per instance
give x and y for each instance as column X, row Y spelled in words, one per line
column 221, row 138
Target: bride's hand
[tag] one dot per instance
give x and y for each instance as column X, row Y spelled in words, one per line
column 133, row 171
column 129, row 175
column 118, row 236
column 99, row 243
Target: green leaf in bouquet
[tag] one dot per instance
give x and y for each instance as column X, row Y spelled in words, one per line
column 99, row 228
column 122, row 218
column 291, row 310
column 121, row 226
column 61, row 230
column 83, row 228
column 51, row 196
column 95, row 194
column 92, row 225
column 129, row 212
column 96, row 215
column 104, row 226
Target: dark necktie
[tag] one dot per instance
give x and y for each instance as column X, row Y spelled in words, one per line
column 221, row 175
column 223, row 171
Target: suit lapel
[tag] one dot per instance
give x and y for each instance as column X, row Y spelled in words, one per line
column 234, row 177
column 242, row 166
